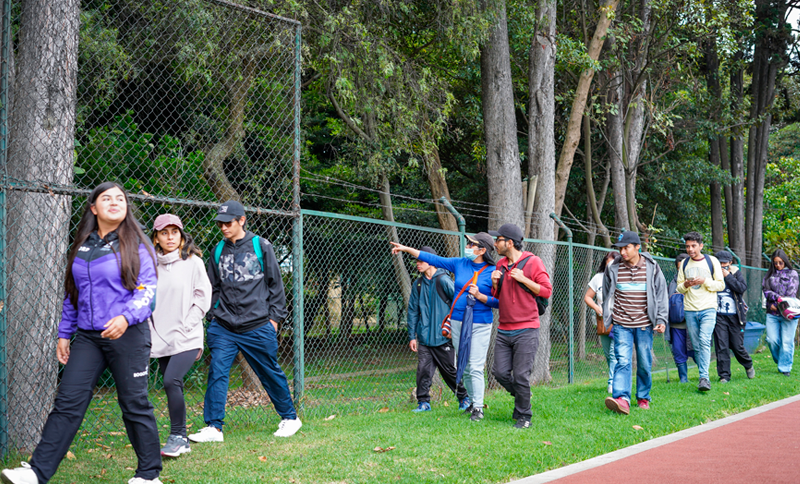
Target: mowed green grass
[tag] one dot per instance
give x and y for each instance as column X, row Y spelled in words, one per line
column 570, row 424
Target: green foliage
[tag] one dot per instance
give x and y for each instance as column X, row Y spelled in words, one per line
column 782, row 193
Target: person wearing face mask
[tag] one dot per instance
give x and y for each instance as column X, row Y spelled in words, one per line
column 109, row 286
column 473, row 276
column 731, row 318
column 177, row 323
column 781, row 281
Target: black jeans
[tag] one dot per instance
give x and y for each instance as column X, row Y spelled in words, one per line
column 431, row 358
column 173, row 369
column 513, row 364
column 729, row 335
column 128, row 358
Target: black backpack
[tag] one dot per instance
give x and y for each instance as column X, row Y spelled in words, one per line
column 439, row 289
column 541, row 302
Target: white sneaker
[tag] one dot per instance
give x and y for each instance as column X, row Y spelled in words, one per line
column 139, row 480
column 207, row 434
column 287, row 427
column 20, row 475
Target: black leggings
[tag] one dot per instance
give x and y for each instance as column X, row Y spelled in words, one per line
column 174, row 368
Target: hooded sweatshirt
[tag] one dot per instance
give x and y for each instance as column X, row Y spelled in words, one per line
column 101, row 295
column 244, row 297
column 518, row 309
column 426, row 310
column 184, row 296
column 782, row 283
column 657, row 300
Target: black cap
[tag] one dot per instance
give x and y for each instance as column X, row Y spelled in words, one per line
column 509, row 231
column 482, row 239
column 724, row 256
column 229, row 210
column 628, row 237
column 427, row 249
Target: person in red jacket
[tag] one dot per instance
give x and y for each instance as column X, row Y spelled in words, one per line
column 519, row 279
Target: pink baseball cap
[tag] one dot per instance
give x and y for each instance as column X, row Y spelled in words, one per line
column 165, row 220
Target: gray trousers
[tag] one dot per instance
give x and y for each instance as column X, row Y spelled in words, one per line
column 513, row 364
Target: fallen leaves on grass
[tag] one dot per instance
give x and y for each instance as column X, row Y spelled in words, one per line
column 381, row 449
column 637, row 427
column 726, row 393
column 262, row 458
column 330, row 418
column 70, row 455
column 383, row 410
column 545, row 442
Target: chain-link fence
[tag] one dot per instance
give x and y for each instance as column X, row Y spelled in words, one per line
column 185, row 103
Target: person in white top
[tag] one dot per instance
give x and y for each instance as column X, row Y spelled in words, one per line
column 594, row 299
column 183, row 297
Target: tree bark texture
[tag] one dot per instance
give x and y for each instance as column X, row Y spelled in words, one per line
column 772, row 39
column 614, row 128
column 400, row 272
column 541, row 158
column 438, row 187
column 593, row 208
column 716, row 143
column 41, row 151
column 500, row 127
column 735, row 204
column 573, row 134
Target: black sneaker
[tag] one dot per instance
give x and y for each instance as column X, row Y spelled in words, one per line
column 477, row 414
column 469, row 410
column 522, row 423
column 704, row 385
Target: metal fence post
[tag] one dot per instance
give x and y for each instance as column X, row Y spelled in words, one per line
column 298, row 320
column 571, row 308
column 462, row 224
column 5, row 47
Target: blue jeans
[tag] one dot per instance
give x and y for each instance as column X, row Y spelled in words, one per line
column 611, row 359
column 474, row 379
column 700, row 325
column 624, row 341
column 780, row 338
column 260, row 349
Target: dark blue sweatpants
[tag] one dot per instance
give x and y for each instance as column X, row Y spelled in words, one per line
column 677, row 340
column 260, row 349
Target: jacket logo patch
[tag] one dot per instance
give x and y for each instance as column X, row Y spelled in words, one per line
column 84, row 249
column 140, row 374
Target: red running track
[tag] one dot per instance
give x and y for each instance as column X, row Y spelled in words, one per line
column 758, row 446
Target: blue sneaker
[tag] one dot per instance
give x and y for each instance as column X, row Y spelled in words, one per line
column 464, row 404
column 423, row 407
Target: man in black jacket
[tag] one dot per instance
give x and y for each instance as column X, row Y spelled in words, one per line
column 731, row 318
column 247, row 304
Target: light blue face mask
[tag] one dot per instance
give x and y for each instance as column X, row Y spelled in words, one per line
column 470, row 254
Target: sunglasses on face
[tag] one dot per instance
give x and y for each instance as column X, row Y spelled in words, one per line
column 224, row 224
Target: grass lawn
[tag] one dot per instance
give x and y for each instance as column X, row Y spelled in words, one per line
column 570, row 424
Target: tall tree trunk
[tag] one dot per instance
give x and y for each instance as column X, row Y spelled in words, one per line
column 593, row 209
column 438, row 186
column 772, row 36
column 541, row 158
column 500, row 126
column 736, row 226
column 573, row 135
column 614, row 127
column 715, row 142
column 41, row 138
column 400, row 272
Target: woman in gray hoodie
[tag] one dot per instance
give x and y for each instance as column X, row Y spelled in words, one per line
column 182, row 299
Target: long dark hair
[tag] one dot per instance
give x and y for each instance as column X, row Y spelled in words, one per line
column 129, row 233
column 778, row 253
column 186, row 249
column 604, row 261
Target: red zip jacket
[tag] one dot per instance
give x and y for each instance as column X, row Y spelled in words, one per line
column 518, row 309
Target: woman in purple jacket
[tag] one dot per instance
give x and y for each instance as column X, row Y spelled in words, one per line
column 781, row 281
column 110, row 283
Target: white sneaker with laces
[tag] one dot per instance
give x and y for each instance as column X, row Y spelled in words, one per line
column 207, row 434
column 139, row 480
column 287, row 427
column 20, row 475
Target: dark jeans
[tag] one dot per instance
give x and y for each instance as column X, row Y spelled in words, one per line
column 429, row 359
column 128, row 358
column 513, row 364
column 260, row 349
column 173, row 369
column 729, row 335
